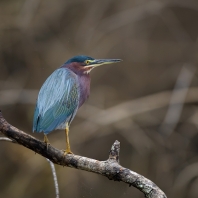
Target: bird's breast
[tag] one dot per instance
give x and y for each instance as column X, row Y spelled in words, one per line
column 84, row 87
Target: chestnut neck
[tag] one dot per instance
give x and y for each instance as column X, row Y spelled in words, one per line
column 83, row 80
column 77, row 68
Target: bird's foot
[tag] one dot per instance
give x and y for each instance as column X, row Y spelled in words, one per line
column 46, row 141
column 67, row 151
column 47, row 144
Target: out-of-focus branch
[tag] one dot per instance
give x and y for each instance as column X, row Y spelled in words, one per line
column 139, row 105
column 109, row 168
column 27, row 12
column 14, row 96
column 110, row 115
column 54, row 177
column 175, row 109
column 6, row 139
column 187, row 175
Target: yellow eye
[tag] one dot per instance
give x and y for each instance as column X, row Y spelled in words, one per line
column 87, row 62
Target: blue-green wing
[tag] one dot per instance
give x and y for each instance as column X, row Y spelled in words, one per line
column 58, row 101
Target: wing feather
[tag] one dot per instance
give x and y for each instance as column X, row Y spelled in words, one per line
column 58, row 101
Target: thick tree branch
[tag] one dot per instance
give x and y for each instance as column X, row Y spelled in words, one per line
column 109, row 168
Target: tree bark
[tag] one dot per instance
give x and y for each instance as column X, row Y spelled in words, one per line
column 109, row 168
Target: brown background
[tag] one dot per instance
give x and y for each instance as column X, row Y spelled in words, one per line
column 148, row 102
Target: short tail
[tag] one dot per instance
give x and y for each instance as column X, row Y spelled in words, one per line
column 36, row 121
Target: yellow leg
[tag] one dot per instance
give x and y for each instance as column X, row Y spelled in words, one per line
column 68, row 150
column 46, row 141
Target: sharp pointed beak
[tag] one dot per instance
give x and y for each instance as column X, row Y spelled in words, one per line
column 98, row 62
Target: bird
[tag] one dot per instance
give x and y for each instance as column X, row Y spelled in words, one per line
column 63, row 93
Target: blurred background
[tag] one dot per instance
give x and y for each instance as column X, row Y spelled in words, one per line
column 149, row 102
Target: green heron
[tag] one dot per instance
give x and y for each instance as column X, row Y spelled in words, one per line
column 63, row 93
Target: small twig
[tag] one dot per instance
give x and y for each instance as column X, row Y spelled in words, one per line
column 54, row 177
column 114, row 152
column 109, row 168
column 6, row 139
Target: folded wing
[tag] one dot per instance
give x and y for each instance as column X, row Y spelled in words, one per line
column 58, row 101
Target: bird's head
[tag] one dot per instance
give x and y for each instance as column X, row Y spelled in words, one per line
column 86, row 63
